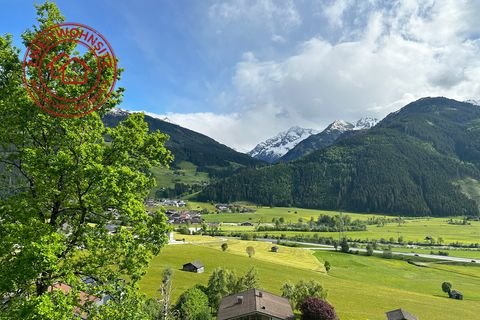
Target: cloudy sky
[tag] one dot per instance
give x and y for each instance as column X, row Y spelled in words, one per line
column 243, row 70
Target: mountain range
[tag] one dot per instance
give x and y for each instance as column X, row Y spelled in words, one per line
column 297, row 142
column 416, row 161
column 188, row 145
column 274, row 148
column 327, row 137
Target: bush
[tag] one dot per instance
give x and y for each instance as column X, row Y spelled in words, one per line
column 369, row 250
column 344, row 247
column 327, row 265
column 387, row 254
column 446, row 287
column 193, row 305
column 313, row 308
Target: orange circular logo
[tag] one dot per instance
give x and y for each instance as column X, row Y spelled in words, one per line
column 69, row 70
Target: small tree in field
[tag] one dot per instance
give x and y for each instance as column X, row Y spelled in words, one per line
column 446, row 287
column 193, row 305
column 250, row 251
column 297, row 293
column 369, row 250
column 224, row 246
column 313, row 308
column 327, row 266
column 344, row 247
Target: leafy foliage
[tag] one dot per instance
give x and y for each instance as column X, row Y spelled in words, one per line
column 250, row 251
column 224, row 282
column 446, row 287
column 70, row 186
column 192, row 305
column 327, row 266
column 297, row 293
column 314, row 308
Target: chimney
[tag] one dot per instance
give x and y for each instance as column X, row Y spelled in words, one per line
column 240, row 299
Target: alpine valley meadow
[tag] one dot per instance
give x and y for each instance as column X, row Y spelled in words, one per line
column 126, row 215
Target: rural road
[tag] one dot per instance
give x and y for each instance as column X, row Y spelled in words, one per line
column 316, row 246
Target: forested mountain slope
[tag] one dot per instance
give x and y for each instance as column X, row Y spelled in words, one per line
column 410, row 163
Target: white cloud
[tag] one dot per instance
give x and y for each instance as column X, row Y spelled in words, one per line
column 407, row 51
column 275, row 14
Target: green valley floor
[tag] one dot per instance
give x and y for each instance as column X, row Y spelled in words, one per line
column 359, row 287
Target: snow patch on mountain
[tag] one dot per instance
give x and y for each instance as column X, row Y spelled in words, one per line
column 275, row 147
column 365, row 123
column 118, row 112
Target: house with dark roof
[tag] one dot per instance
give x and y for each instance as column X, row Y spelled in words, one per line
column 400, row 314
column 195, row 266
column 454, row 294
column 254, row 304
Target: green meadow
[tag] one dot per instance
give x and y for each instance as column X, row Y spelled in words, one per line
column 414, row 229
column 359, row 287
column 184, row 172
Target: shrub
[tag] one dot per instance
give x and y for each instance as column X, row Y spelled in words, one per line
column 250, row 251
column 369, row 250
column 446, row 287
column 327, row 265
column 313, row 308
column 387, row 254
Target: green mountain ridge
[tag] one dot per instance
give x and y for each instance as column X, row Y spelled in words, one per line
column 191, row 146
column 408, row 164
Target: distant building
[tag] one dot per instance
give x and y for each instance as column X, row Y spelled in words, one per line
column 454, row 294
column 400, row 314
column 195, row 266
column 254, row 304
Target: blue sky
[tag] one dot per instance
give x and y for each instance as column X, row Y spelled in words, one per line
column 242, row 70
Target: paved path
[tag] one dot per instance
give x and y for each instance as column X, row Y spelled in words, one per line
column 316, row 246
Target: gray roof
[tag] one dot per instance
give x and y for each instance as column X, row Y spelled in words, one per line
column 254, row 301
column 197, row 264
column 400, row 314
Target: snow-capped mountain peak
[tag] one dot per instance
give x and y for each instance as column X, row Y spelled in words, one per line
column 340, row 125
column 275, row 147
column 473, row 101
column 365, row 123
column 118, row 112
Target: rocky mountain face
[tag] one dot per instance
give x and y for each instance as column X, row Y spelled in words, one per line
column 327, row 137
column 274, row 148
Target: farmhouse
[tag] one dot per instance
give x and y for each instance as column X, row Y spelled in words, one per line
column 454, row 294
column 254, row 304
column 400, row 314
column 195, row 266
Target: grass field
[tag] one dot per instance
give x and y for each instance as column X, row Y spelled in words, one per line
column 414, row 229
column 474, row 254
column 186, row 173
column 359, row 287
column 266, row 214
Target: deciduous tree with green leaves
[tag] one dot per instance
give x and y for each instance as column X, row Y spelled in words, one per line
column 72, row 178
column 193, row 305
column 297, row 293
